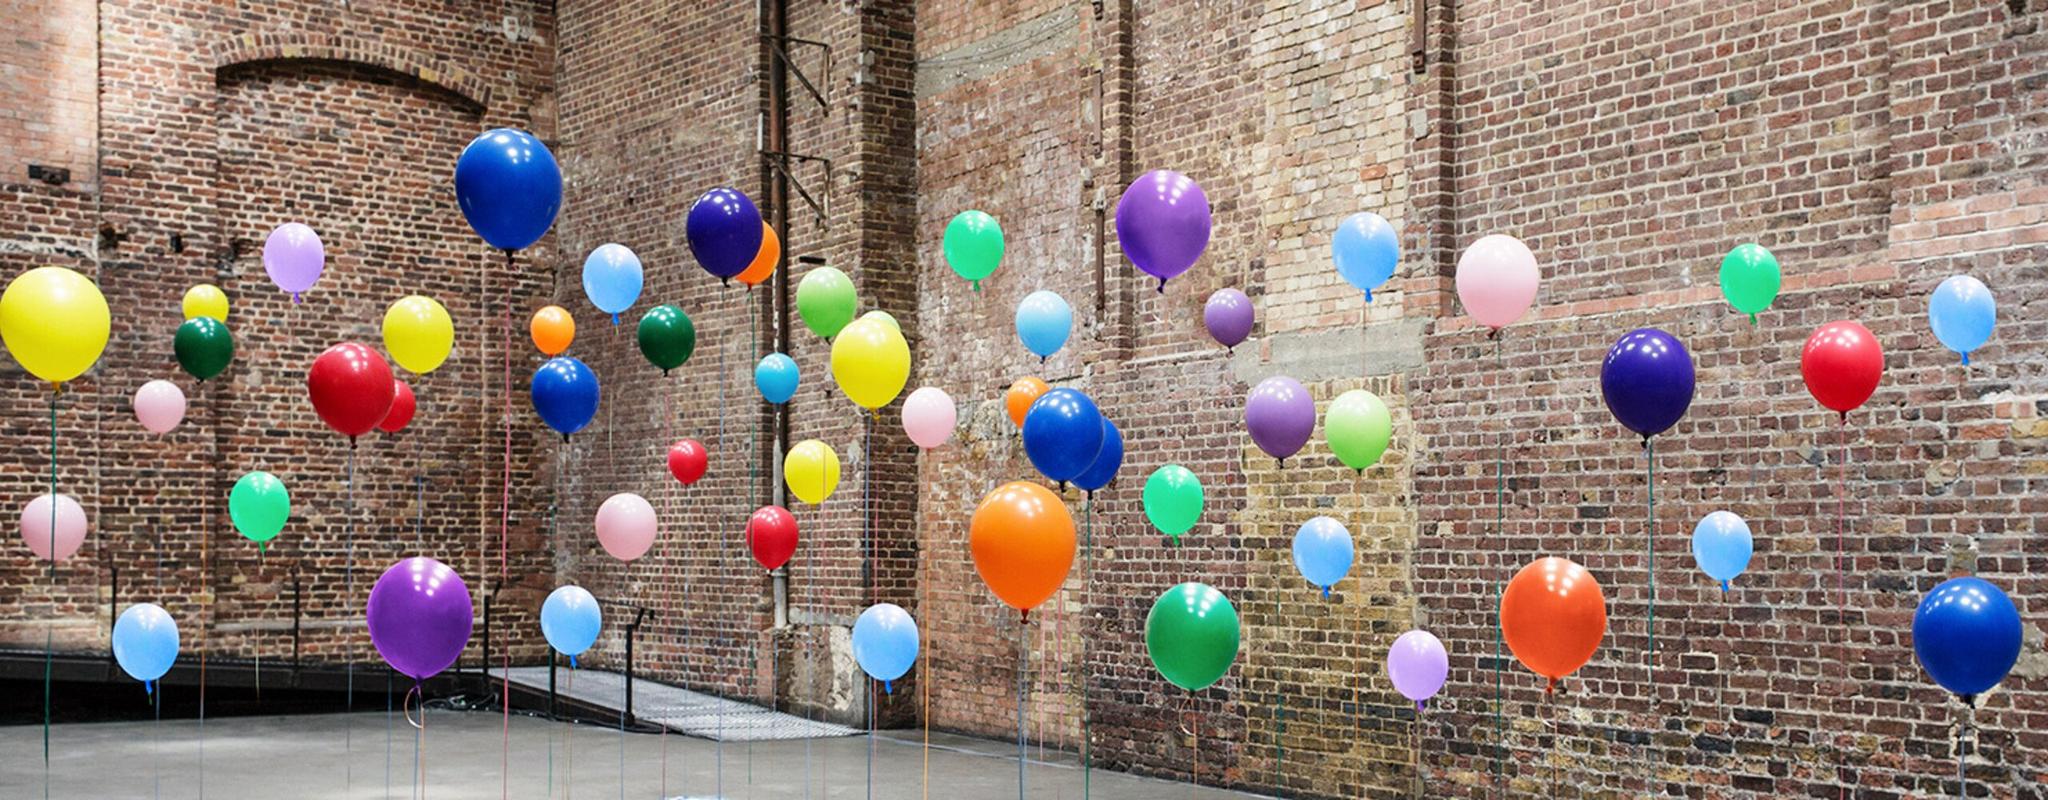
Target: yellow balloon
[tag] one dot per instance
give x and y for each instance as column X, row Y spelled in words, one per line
column 206, row 300
column 871, row 362
column 812, row 471
column 55, row 322
column 418, row 333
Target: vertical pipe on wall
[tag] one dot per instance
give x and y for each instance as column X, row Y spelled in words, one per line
column 774, row 15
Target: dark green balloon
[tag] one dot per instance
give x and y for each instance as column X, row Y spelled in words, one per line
column 1191, row 635
column 204, row 347
column 667, row 337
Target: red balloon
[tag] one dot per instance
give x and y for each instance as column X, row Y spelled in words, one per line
column 351, row 387
column 771, row 534
column 403, row 406
column 687, row 460
column 1842, row 363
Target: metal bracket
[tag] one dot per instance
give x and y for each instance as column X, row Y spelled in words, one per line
column 780, row 162
column 780, row 45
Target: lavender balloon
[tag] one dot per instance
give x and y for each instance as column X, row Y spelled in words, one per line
column 420, row 617
column 1418, row 666
column 1228, row 315
column 1162, row 223
column 294, row 258
column 1280, row 416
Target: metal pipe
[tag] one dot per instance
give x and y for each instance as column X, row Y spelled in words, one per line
column 775, row 28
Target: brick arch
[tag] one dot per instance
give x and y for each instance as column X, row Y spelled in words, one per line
column 468, row 90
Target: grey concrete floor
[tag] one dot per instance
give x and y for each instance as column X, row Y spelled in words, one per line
column 344, row 757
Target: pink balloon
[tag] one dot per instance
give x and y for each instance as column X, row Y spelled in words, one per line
column 1497, row 280
column 35, row 526
column 160, row 406
column 626, row 526
column 929, row 417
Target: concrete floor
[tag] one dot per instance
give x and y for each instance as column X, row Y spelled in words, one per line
column 301, row 757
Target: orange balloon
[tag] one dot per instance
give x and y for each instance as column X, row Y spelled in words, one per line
column 1553, row 617
column 552, row 329
column 1022, row 539
column 763, row 264
column 1020, row 397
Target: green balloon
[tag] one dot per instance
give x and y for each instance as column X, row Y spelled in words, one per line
column 1358, row 428
column 1173, row 499
column 1191, row 635
column 825, row 300
column 667, row 337
column 259, row 506
column 204, row 347
column 973, row 245
column 1750, row 278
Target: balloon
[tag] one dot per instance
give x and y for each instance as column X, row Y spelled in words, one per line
column 1280, row 416
column 725, row 232
column 294, row 258
column 552, row 328
column 1962, row 312
column 259, row 505
column 1553, row 617
column 929, row 417
column 871, row 362
column 1721, row 544
column 1418, row 665
column 1647, row 381
column 205, row 300
column 1842, row 363
column 1108, row 460
column 1967, row 636
column 612, row 279
column 825, row 300
column 687, row 460
column 65, row 538
column 626, row 526
column 420, row 617
column 1750, row 278
column 509, row 187
column 771, row 536
column 1228, row 316
column 54, row 322
column 885, row 318
column 565, row 392
column 1019, row 399
column 1358, row 428
column 1366, row 250
column 160, row 406
column 351, row 388
column 1162, row 223
column 1497, row 279
column 418, row 333
column 1323, row 552
column 1191, row 635
column 764, row 261
column 1022, row 540
column 776, row 376
column 1063, row 434
column 885, row 643
column 570, row 619
column 403, row 406
column 204, row 347
column 973, row 246
column 667, row 337
column 1173, row 499
column 1043, row 321
column 146, row 642
column 811, row 470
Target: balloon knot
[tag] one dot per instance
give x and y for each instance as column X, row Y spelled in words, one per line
column 149, row 687
column 1968, row 699
column 295, row 298
column 1162, row 286
column 1752, row 320
column 1551, row 687
column 1024, row 617
column 725, row 281
column 565, row 438
column 615, row 319
column 1724, row 587
column 888, row 687
column 1418, row 706
column 1368, row 298
column 1646, row 443
column 1966, row 359
column 572, row 662
column 1326, row 592
column 975, row 284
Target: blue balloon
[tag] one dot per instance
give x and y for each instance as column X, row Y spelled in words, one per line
column 1647, row 381
column 1107, row 460
column 1962, row 312
column 570, row 619
column 1721, row 545
column 565, row 394
column 612, row 279
column 509, row 187
column 724, row 231
column 1366, row 250
column 777, row 377
column 1967, row 636
column 885, row 642
column 1323, row 552
column 1063, row 434
column 146, row 642
column 1043, row 321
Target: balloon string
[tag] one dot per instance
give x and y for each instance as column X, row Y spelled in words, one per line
column 1500, row 505
column 156, row 759
column 49, row 629
column 1087, row 595
column 205, row 606
column 504, row 533
column 1962, row 752
column 1650, row 490
column 871, row 739
column 1841, row 555
column 349, row 573
column 1023, row 663
column 388, row 725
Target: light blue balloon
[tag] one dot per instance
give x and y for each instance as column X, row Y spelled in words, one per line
column 776, row 376
column 1721, row 544
column 885, row 642
column 1043, row 321
column 1366, row 250
column 1323, row 552
column 570, row 619
column 146, row 642
column 1962, row 312
column 612, row 279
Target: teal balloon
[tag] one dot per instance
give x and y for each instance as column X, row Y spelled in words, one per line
column 146, row 642
column 1192, row 635
column 570, row 619
column 885, row 642
column 1722, row 545
column 777, row 378
column 1962, row 312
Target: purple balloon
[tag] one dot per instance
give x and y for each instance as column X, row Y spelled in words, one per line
column 294, row 258
column 1647, row 381
column 1418, row 666
column 1280, row 416
column 420, row 617
column 1162, row 223
column 1228, row 316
